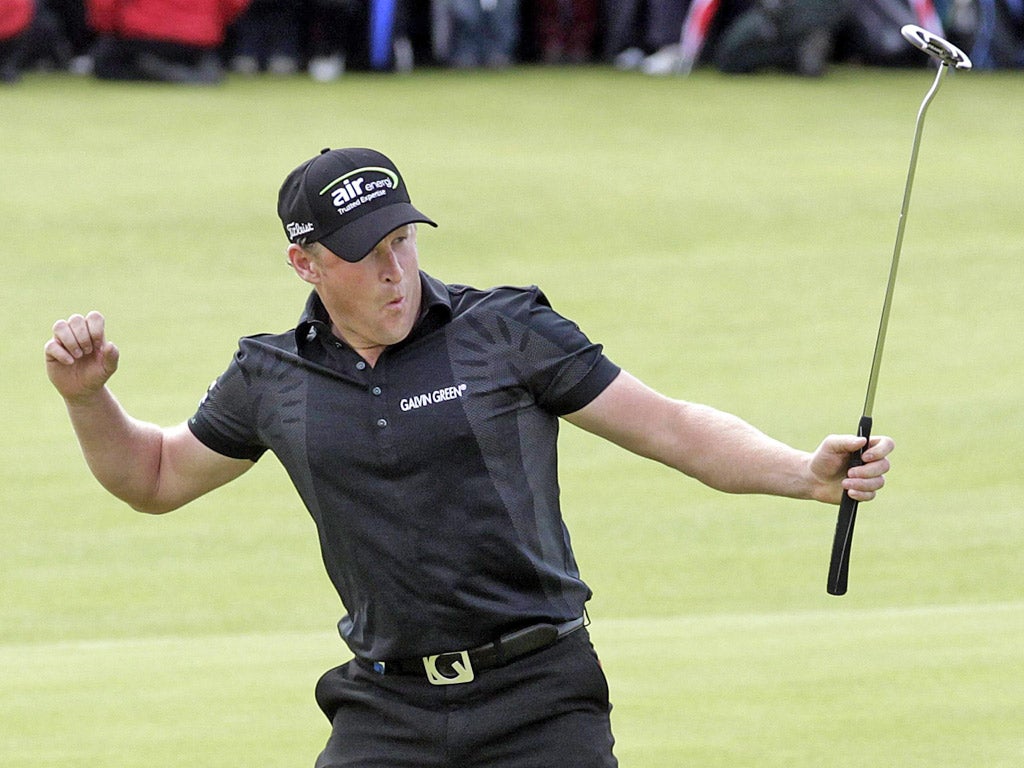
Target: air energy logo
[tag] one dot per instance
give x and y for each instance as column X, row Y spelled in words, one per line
column 360, row 186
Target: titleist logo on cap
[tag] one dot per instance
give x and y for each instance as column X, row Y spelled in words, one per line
column 296, row 229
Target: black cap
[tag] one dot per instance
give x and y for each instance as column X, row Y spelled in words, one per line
column 347, row 200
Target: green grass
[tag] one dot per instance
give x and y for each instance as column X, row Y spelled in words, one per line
column 727, row 240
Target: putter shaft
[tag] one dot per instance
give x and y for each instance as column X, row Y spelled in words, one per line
column 883, row 325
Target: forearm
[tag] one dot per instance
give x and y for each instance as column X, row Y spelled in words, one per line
column 717, row 448
column 124, row 454
column 728, row 454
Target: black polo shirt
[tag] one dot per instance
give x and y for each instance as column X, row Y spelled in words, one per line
column 432, row 476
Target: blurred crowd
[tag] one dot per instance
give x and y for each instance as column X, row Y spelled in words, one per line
column 198, row 41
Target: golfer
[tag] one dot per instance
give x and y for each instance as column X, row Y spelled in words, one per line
column 418, row 423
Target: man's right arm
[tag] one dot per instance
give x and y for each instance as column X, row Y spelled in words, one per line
column 153, row 469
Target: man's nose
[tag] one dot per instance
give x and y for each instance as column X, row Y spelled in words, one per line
column 388, row 263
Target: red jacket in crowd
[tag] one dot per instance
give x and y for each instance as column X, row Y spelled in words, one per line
column 191, row 22
column 15, row 16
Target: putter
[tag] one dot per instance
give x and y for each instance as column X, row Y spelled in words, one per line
column 948, row 56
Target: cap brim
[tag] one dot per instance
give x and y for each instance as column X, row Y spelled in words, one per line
column 354, row 240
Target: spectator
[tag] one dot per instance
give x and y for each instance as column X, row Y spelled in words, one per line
column 640, row 27
column 991, row 31
column 70, row 14
column 164, row 40
column 483, row 32
column 871, row 34
column 624, row 22
column 566, row 30
column 267, row 36
column 29, row 34
column 677, row 31
column 337, row 37
column 15, row 20
column 788, row 35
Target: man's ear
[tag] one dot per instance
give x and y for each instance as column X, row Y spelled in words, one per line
column 303, row 264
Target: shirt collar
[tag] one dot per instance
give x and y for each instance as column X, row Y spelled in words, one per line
column 436, row 310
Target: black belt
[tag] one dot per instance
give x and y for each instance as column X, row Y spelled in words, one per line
column 461, row 666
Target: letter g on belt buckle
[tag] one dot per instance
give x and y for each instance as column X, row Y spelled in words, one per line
column 449, row 668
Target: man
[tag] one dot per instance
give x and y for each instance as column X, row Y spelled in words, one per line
column 161, row 40
column 418, row 422
column 30, row 34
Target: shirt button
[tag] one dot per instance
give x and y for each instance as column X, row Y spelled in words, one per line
column 376, row 390
column 361, row 365
column 382, row 423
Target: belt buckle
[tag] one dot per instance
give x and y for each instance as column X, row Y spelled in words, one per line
column 455, row 668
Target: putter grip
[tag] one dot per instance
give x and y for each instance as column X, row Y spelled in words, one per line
column 839, row 567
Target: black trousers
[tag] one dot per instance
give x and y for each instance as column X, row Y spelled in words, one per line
column 547, row 709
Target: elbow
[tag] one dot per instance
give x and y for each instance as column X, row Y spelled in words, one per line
column 145, row 498
column 151, row 507
column 146, row 502
column 139, row 501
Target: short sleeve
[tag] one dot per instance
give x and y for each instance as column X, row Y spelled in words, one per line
column 224, row 420
column 566, row 369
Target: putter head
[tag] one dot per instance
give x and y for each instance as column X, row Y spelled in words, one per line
column 936, row 47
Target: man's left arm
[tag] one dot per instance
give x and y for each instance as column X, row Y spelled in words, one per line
column 725, row 452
